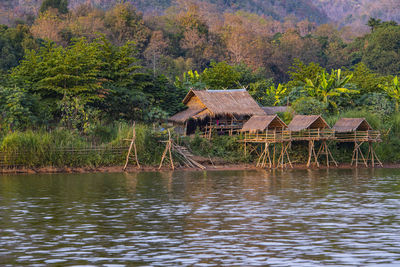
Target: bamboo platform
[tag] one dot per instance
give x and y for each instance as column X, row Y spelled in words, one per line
column 270, row 138
column 359, row 136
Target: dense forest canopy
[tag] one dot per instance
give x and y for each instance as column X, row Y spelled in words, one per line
column 78, row 62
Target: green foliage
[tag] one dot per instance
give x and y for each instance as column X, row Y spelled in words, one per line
column 221, row 76
column 190, row 80
column 393, row 91
column 365, row 79
column 13, row 42
column 266, row 93
column 18, row 109
column 377, row 103
column 300, row 72
column 329, row 86
column 382, row 50
column 60, row 5
column 58, row 71
column 309, row 106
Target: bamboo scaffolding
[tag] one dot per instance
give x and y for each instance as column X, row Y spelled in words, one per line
column 372, row 154
column 324, row 150
column 356, row 153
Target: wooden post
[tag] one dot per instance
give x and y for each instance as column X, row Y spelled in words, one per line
column 245, row 147
column 133, row 144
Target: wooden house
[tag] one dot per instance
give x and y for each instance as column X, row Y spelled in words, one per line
column 221, row 111
column 359, row 131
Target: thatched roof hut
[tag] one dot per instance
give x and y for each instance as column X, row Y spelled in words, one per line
column 262, row 123
column 347, row 125
column 212, row 103
column 275, row 110
column 305, row 122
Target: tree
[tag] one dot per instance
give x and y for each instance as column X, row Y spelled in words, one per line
column 155, row 49
column 18, row 108
column 60, row 5
column 220, row 75
column 374, row 23
column 123, row 83
column 381, row 50
column 393, row 91
column 62, row 75
column 13, row 43
column 329, row 86
column 50, row 26
column 124, row 24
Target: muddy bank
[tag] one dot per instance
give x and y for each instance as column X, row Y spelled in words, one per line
column 119, row 169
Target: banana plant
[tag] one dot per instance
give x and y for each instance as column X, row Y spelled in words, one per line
column 393, row 91
column 278, row 93
column 329, row 86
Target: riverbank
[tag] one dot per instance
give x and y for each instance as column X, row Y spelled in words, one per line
column 119, row 169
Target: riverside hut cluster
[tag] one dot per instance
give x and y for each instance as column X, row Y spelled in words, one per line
column 263, row 131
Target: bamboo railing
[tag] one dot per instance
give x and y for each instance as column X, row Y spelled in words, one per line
column 359, row 136
column 267, row 137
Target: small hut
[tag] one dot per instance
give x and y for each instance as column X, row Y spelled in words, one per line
column 267, row 130
column 353, row 129
column 224, row 111
column 309, row 127
column 264, row 128
column 312, row 128
column 359, row 131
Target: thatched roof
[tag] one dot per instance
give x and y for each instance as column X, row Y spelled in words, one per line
column 303, row 122
column 218, row 102
column 261, row 123
column 183, row 116
column 221, row 102
column 345, row 125
column 274, row 110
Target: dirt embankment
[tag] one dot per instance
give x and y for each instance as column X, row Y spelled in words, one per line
column 119, row 169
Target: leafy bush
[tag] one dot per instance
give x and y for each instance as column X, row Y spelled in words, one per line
column 376, row 103
column 309, row 106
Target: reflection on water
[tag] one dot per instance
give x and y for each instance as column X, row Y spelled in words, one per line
column 302, row 217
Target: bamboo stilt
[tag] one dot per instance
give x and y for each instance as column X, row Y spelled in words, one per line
column 132, row 145
column 356, row 152
column 371, row 152
column 324, row 149
column 284, row 152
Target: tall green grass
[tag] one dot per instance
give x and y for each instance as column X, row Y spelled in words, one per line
column 63, row 148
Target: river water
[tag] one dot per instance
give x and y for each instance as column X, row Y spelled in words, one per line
column 228, row 218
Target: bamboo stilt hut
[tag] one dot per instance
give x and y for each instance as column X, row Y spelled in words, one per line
column 267, row 131
column 358, row 131
column 313, row 128
column 215, row 111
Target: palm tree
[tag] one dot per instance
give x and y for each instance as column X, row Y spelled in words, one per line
column 329, row 86
column 393, row 90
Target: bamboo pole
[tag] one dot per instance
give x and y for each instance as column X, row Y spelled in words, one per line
column 167, row 149
column 133, row 144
